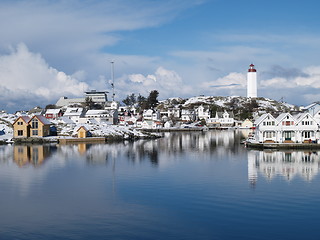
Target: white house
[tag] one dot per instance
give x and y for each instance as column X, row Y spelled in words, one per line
column 203, row 112
column 286, row 128
column 151, row 114
column 168, row 124
column 246, row 124
column 266, row 128
column 188, row 115
column 74, row 114
column 174, row 112
column 222, row 119
column 102, row 116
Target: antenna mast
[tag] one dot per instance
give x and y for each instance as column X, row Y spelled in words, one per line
column 112, row 77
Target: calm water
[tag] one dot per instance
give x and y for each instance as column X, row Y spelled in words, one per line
column 182, row 186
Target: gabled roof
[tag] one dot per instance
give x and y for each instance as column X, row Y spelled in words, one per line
column 53, row 111
column 73, row 111
column 302, row 116
column 42, row 119
column 283, row 116
column 262, row 117
column 82, row 127
column 24, row 118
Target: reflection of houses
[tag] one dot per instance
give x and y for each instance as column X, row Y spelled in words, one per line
column 286, row 128
column 37, row 126
column 30, row 154
column 285, row 163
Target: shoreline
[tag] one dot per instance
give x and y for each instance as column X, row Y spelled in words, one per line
column 282, row 145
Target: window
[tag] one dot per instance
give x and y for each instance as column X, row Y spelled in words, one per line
column 20, row 123
column 34, row 123
column 34, row 132
column 269, row 134
column 308, row 134
column 20, row 132
column 287, row 123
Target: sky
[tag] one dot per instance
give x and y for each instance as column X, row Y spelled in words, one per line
column 182, row 48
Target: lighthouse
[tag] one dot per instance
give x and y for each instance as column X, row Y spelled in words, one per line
column 252, row 82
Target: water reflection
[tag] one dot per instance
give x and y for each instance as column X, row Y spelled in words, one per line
column 287, row 164
column 172, row 144
column 31, row 154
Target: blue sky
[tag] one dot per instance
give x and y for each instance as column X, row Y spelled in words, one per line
column 181, row 48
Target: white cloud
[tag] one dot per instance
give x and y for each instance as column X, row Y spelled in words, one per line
column 24, row 74
column 232, row 80
column 167, row 82
column 313, row 78
column 310, row 77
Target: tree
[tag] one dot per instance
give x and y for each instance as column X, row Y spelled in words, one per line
column 142, row 102
column 130, row 100
column 153, row 99
column 51, row 106
column 89, row 103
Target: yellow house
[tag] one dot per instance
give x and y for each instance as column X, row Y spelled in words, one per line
column 82, row 132
column 37, row 126
column 21, row 127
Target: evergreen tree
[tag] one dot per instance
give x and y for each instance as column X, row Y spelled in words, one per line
column 153, row 99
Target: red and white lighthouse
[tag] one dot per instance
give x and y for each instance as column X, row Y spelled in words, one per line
column 252, row 82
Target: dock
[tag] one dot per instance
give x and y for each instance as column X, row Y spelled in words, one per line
column 283, row 145
column 82, row 140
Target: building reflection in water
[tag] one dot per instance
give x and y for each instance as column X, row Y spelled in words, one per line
column 287, row 164
column 171, row 144
column 157, row 152
column 31, row 154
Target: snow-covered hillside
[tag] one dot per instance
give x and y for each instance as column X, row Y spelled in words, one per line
column 232, row 102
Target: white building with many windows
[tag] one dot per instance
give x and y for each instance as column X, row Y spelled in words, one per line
column 302, row 128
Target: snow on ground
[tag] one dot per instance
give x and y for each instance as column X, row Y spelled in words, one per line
column 6, row 130
column 6, row 133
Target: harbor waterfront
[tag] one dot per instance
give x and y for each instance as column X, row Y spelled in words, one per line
column 185, row 185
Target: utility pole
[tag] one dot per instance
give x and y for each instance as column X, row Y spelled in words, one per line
column 112, row 77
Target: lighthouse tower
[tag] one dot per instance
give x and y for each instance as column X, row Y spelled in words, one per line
column 252, row 82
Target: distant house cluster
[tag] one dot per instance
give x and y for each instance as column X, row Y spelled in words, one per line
column 276, row 127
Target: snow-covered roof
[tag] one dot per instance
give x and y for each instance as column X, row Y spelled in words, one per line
column 73, row 111
column 53, row 111
column 97, row 112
